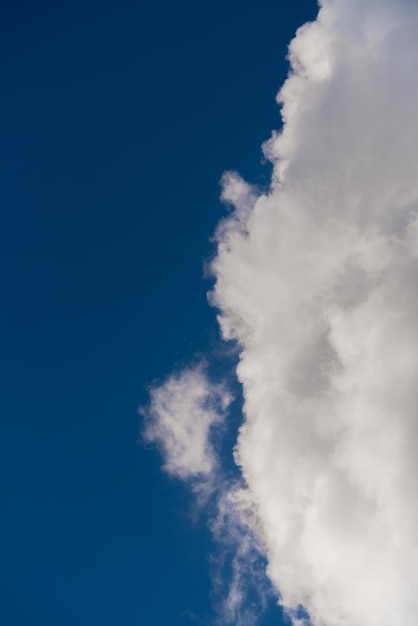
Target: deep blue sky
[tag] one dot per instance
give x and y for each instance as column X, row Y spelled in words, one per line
column 117, row 120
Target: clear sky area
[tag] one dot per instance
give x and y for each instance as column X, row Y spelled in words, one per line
column 117, row 121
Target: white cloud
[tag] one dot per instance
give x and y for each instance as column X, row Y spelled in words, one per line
column 180, row 419
column 317, row 280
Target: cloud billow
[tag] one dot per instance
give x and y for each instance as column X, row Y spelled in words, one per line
column 317, row 282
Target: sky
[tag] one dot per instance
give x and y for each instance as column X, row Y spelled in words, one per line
column 209, row 333
column 117, row 122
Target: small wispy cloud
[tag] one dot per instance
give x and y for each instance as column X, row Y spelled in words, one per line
column 183, row 417
column 180, row 418
column 242, row 591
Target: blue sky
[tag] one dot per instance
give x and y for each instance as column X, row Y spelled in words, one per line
column 117, row 122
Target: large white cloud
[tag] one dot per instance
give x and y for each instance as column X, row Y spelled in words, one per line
column 318, row 283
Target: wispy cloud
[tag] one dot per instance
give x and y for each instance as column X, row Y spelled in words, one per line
column 183, row 418
column 180, row 418
column 317, row 282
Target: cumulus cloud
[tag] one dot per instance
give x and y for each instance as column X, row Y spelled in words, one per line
column 317, row 283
